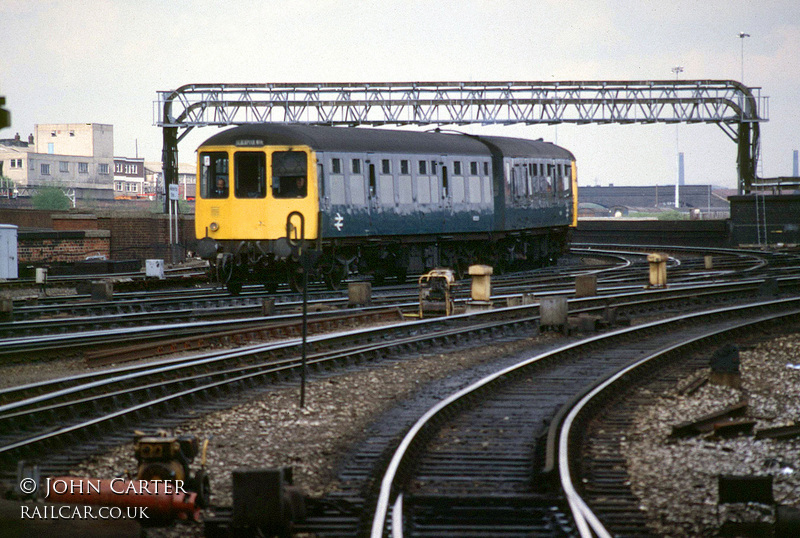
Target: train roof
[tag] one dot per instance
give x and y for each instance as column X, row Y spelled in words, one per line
column 522, row 147
column 357, row 140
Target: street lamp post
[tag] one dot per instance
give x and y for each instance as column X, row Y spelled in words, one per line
column 678, row 69
column 742, row 35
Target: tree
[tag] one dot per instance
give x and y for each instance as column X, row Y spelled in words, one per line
column 51, row 198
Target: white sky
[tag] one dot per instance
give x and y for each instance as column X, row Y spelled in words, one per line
column 104, row 62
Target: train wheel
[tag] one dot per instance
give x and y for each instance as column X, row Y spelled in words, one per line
column 224, row 268
column 335, row 277
column 295, row 277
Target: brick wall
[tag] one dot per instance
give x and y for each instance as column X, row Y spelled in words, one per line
column 28, row 218
column 147, row 236
column 74, row 221
column 69, row 237
column 62, row 246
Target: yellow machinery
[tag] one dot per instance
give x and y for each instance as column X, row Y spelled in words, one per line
column 435, row 296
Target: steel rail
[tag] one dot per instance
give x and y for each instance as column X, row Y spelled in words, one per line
column 627, row 301
column 387, row 485
column 589, row 525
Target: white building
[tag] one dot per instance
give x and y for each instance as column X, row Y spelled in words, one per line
column 75, row 156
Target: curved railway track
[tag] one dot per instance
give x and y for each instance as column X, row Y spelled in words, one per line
column 476, row 464
column 45, row 421
column 36, row 415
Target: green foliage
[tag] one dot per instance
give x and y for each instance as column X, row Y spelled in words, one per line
column 671, row 214
column 51, row 198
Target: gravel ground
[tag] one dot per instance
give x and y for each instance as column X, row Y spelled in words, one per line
column 273, row 431
column 676, row 479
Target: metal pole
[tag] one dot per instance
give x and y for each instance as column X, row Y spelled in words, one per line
column 742, row 35
column 169, row 208
column 678, row 69
column 304, row 263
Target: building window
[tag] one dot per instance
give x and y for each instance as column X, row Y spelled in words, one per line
column 336, row 166
column 456, row 168
column 356, row 169
column 83, row 168
column 45, row 168
column 118, row 186
column 103, row 169
column 423, row 167
column 13, row 163
column 386, row 166
column 63, row 166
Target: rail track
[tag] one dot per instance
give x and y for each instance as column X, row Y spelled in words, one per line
column 46, row 422
column 482, row 462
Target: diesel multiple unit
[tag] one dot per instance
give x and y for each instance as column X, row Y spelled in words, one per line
column 276, row 200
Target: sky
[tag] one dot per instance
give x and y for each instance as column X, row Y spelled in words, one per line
column 104, row 61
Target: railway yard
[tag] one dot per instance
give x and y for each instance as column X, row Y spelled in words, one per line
column 635, row 408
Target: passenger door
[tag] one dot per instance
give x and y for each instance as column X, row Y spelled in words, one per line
column 446, row 194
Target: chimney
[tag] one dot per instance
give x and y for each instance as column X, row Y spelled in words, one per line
column 30, row 138
column 17, row 138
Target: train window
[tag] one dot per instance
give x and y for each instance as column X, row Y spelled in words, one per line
column 456, row 168
column 423, row 167
column 486, row 168
column 473, row 168
column 356, row 166
column 405, row 169
column 515, row 181
column 249, row 169
column 474, row 190
column 386, row 166
column 458, row 188
column 423, row 190
column 404, row 190
column 336, row 166
column 433, row 167
column 386, row 190
column 214, row 175
column 289, row 174
column 357, row 192
column 337, row 190
column 372, row 181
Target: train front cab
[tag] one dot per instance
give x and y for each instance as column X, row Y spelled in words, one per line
column 246, row 194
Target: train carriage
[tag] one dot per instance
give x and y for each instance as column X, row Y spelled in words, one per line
column 374, row 201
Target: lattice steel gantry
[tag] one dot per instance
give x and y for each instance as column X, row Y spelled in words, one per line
column 729, row 104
